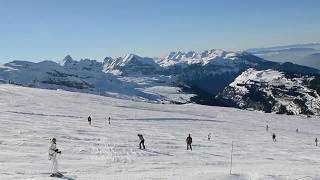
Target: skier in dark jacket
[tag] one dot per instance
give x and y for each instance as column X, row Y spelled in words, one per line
column 141, row 141
column 316, row 141
column 189, row 142
column 89, row 120
column 274, row 137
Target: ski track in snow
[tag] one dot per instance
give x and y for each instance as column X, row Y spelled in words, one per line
column 30, row 117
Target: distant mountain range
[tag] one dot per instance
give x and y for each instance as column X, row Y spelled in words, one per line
column 302, row 54
column 181, row 77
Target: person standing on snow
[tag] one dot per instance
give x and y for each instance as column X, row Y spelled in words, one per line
column 274, row 137
column 109, row 119
column 267, row 127
column 209, row 136
column 53, row 151
column 316, row 141
column 189, row 142
column 141, row 141
column 89, row 120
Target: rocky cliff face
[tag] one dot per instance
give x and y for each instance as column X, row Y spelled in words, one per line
column 273, row 91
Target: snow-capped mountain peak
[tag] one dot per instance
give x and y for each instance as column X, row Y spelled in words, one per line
column 67, row 61
column 131, row 63
column 273, row 91
column 216, row 56
column 206, row 73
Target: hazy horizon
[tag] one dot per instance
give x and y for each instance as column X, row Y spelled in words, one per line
column 102, row 58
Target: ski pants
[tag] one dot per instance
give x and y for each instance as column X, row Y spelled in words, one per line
column 54, row 165
column 189, row 145
column 142, row 143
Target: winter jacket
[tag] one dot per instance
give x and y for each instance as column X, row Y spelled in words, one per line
column 53, row 151
column 141, row 137
column 189, row 140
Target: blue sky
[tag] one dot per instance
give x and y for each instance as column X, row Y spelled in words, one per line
column 50, row 29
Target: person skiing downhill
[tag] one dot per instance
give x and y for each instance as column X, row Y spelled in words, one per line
column 209, row 136
column 274, row 137
column 141, row 141
column 109, row 119
column 53, row 151
column 316, row 141
column 267, row 127
column 189, row 142
column 89, row 120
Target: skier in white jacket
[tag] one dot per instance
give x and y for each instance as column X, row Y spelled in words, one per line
column 53, row 151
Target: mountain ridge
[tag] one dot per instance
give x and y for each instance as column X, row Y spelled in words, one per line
column 160, row 80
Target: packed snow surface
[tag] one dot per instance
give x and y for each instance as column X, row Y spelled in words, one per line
column 30, row 117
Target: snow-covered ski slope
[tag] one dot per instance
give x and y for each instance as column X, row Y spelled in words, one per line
column 29, row 117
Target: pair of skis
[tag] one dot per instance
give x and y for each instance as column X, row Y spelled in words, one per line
column 57, row 175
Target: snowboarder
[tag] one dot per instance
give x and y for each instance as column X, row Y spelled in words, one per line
column 274, row 137
column 189, row 142
column 267, row 127
column 141, row 141
column 209, row 136
column 109, row 119
column 89, row 120
column 53, row 151
column 316, row 140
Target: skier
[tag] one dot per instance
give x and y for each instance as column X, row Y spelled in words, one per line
column 297, row 130
column 189, row 142
column 209, row 136
column 109, row 119
column 141, row 141
column 316, row 140
column 267, row 127
column 89, row 120
column 53, row 151
column 274, row 137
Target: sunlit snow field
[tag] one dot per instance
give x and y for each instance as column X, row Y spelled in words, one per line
column 30, row 117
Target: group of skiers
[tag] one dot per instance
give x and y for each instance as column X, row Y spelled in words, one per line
column 53, row 150
column 297, row 131
column 142, row 146
column 90, row 119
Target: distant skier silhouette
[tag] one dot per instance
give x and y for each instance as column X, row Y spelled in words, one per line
column 109, row 119
column 297, row 130
column 89, row 120
column 189, row 142
column 316, row 141
column 274, row 137
column 209, row 136
column 141, row 141
column 267, row 127
column 53, row 151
